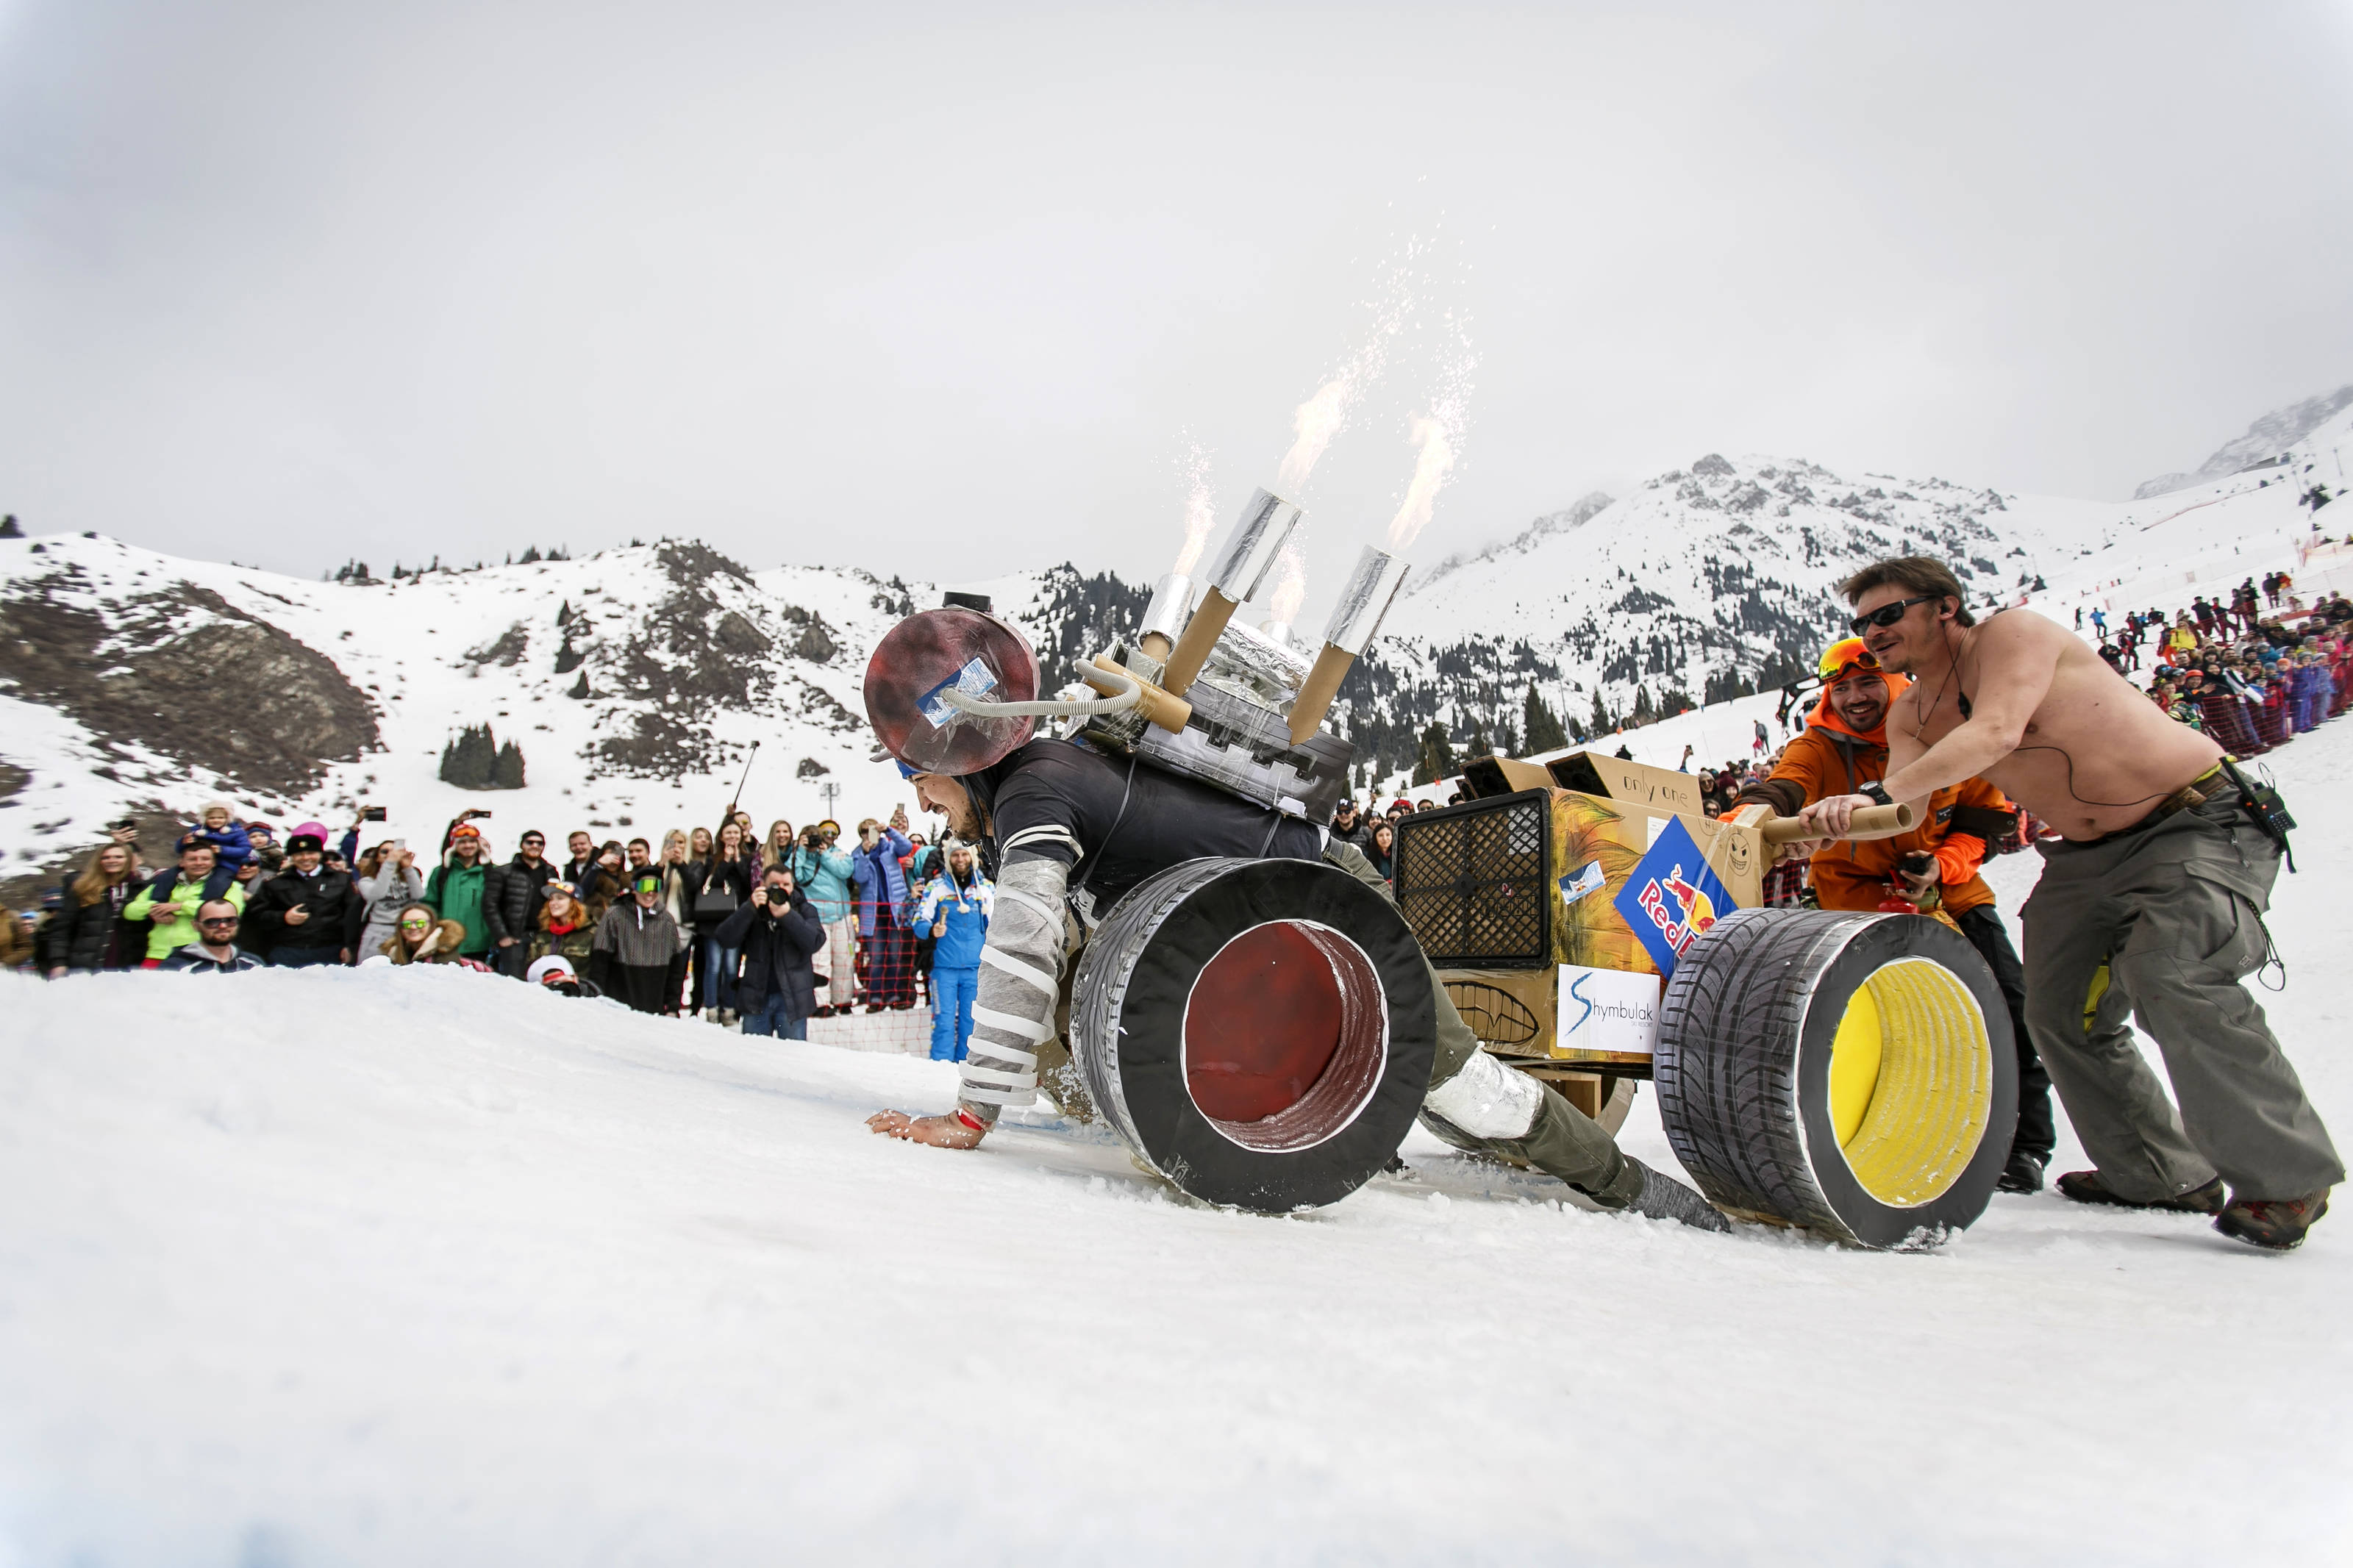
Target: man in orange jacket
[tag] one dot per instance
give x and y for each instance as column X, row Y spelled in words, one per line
column 1845, row 747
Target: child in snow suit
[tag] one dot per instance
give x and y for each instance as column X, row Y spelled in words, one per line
column 955, row 911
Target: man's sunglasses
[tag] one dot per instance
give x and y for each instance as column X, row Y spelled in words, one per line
column 1888, row 615
column 217, row 921
column 535, row 838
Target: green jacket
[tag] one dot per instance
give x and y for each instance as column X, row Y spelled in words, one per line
column 456, row 892
column 165, row 938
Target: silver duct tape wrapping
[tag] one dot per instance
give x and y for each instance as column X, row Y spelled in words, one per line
column 1250, row 549
column 1172, row 602
column 1364, row 600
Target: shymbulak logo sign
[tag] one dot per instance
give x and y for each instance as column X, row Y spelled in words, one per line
column 1611, row 1011
column 1671, row 897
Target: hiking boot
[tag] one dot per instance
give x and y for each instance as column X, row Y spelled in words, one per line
column 2023, row 1174
column 1663, row 1197
column 2085, row 1187
column 2276, row 1225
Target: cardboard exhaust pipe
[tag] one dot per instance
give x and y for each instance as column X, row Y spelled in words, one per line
column 1870, row 822
column 1250, row 549
column 1364, row 600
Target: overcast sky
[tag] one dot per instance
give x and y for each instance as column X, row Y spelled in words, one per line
column 953, row 289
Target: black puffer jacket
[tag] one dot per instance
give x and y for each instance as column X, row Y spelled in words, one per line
column 776, row 949
column 511, row 898
column 93, row 935
column 333, row 907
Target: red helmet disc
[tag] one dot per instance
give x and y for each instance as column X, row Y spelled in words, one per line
column 932, row 652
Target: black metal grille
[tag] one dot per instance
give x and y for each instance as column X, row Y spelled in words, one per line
column 1473, row 880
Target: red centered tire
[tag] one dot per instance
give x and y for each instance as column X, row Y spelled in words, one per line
column 1259, row 1031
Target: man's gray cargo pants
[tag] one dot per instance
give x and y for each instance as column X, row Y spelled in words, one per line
column 2163, row 924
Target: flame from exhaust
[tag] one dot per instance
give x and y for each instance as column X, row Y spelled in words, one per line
column 1316, row 422
column 1290, row 578
column 1200, row 507
column 1437, row 439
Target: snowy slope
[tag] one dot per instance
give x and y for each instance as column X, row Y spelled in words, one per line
column 2270, row 436
column 686, row 659
column 377, row 1266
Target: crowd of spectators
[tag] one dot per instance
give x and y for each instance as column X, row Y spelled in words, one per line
column 758, row 931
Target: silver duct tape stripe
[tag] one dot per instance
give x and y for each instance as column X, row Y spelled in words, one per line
column 1171, row 607
column 990, row 1077
column 997, row 959
column 980, row 1095
column 1364, row 600
column 1013, row 1023
column 1488, row 1100
column 1250, row 549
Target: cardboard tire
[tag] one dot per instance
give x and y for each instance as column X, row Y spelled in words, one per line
column 1260, row 1032
column 1852, row 1074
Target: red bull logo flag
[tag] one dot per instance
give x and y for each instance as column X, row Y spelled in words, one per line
column 1672, row 898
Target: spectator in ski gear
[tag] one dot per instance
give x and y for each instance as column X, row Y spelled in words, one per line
column 563, row 926
column 388, row 882
column 678, row 897
column 423, row 936
column 955, row 911
column 636, row 957
column 776, row 931
column 167, row 905
column 777, row 848
column 456, row 888
column 214, row 951
column 1843, row 748
column 641, row 857
column 821, row 870
column 582, row 850
column 720, row 886
column 306, row 914
column 88, row 931
column 232, row 845
column 880, row 878
column 510, row 895
column 1382, row 851
column 1347, row 826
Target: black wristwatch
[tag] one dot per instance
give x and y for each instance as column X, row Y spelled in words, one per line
column 1877, row 793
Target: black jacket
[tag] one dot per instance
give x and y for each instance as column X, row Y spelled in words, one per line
column 511, row 897
column 77, row 935
column 776, row 949
column 735, row 876
column 335, row 908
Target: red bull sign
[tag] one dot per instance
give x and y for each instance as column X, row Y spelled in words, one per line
column 1672, row 898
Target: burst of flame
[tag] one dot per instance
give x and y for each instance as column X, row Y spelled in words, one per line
column 1437, row 439
column 1312, row 426
column 1200, row 507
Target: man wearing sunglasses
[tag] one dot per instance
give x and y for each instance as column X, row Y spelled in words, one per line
column 2150, row 905
column 214, row 951
column 1843, row 749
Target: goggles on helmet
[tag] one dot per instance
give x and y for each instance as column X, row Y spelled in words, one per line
column 1844, row 654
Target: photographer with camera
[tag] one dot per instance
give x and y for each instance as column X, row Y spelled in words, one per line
column 776, row 931
column 822, row 870
column 1844, row 750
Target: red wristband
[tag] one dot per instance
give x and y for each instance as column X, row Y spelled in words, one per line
column 969, row 1119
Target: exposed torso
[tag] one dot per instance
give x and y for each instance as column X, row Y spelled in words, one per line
column 2096, row 755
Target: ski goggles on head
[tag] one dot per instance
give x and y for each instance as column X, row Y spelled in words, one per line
column 1844, row 654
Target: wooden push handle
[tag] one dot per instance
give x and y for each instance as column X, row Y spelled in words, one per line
column 1870, row 822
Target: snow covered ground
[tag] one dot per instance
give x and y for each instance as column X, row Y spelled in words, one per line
column 362, row 1267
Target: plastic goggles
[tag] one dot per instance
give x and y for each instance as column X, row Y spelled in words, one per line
column 1888, row 615
column 1847, row 653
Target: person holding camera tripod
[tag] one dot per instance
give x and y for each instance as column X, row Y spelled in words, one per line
column 1842, row 750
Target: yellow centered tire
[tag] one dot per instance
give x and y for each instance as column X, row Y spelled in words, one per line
column 1852, row 1074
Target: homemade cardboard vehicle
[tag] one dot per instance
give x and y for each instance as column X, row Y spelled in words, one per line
column 1829, row 1070
column 1261, row 1031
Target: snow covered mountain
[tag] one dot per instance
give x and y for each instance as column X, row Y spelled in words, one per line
column 2269, row 437
column 634, row 681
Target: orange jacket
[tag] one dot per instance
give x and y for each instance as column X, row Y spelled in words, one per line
column 1829, row 759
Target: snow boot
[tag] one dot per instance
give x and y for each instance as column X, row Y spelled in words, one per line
column 1663, row 1197
column 2085, row 1187
column 2276, row 1225
column 2023, row 1174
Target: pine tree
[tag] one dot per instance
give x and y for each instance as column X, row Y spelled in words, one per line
column 568, row 658
column 579, row 686
column 1602, row 722
column 530, row 555
column 1643, row 712
column 507, row 772
column 1479, row 746
column 1436, row 759
column 9, row 528
column 1542, row 726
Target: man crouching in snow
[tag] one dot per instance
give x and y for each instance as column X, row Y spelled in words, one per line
column 1052, row 807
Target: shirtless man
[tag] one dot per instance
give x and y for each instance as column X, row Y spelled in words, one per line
column 2151, row 905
